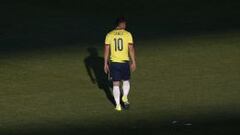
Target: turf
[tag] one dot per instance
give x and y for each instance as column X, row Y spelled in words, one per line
column 186, row 79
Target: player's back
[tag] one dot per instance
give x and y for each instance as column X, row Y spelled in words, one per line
column 118, row 40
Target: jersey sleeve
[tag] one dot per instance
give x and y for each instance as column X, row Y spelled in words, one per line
column 108, row 40
column 130, row 39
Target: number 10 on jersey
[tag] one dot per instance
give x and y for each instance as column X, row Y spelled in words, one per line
column 118, row 44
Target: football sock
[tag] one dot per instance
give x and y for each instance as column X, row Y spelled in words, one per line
column 126, row 88
column 116, row 94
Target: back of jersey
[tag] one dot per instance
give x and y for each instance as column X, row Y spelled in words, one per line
column 119, row 40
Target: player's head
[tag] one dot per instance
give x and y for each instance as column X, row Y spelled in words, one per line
column 121, row 23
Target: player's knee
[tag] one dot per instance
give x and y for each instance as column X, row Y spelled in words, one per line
column 116, row 83
column 126, row 82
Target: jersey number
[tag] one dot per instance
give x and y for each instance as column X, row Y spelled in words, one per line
column 118, row 44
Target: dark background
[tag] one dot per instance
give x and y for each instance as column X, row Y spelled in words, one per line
column 61, row 22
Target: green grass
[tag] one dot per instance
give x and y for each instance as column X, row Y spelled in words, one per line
column 189, row 79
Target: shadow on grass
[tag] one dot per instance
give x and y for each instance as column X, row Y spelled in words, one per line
column 94, row 65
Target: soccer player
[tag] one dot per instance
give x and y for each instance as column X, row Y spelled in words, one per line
column 119, row 48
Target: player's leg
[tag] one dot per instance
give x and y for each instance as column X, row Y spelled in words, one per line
column 126, row 84
column 126, row 89
column 116, row 94
column 115, row 74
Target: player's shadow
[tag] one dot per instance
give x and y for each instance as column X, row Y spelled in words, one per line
column 94, row 66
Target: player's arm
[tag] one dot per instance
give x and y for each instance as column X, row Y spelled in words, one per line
column 132, row 57
column 106, row 58
column 131, row 52
column 107, row 52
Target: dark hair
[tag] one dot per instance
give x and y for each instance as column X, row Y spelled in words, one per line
column 120, row 20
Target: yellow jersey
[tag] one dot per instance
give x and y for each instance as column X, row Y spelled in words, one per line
column 118, row 41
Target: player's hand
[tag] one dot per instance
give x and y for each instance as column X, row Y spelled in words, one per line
column 133, row 67
column 106, row 68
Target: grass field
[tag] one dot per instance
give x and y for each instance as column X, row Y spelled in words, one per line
column 187, row 79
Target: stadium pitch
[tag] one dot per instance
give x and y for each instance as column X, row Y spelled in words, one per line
column 51, row 68
column 183, row 85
